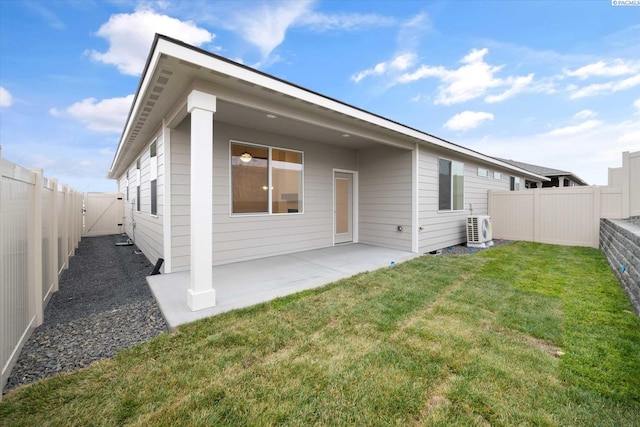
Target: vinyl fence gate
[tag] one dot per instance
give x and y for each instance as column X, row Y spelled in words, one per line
column 103, row 214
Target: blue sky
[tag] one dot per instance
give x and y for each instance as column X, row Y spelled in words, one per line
column 554, row 83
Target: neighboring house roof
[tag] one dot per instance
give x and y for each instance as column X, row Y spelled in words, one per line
column 545, row 171
column 244, row 95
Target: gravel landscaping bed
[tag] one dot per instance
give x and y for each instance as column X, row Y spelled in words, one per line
column 104, row 305
column 463, row 249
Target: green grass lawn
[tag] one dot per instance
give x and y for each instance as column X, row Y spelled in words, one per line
column 523, row 334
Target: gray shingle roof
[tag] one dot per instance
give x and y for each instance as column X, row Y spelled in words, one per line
column 544, row 171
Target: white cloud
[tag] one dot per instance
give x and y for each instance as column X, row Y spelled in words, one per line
column 467, row 120
column 49, row 17
column 342, row 21
column 604, row 88
column 636, row 105
column 5, row 98
column 130, row 37
column 601, row 69
column 399, row 63
column 584, row 114
column 471, row 80
column 420, row 98
column 107, row 115
column 412, row 32
column 518, row 84
column 266, row 24
column 575, row 129
column 630, row 137
column 408, row 40
column 588, row 153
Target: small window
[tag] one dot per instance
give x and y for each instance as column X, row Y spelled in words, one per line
column 497, row 175
column 483, row 172
column 515, row 183
column 154, row 197
column 153, row 183
column 265, row 180
column 450, row 185
column 138, row 185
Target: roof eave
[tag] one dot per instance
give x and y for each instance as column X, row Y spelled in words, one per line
column 257, row 77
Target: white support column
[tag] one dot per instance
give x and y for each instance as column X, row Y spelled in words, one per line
column 201, row 106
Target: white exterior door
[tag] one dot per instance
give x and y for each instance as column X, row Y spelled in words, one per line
column 343, row 204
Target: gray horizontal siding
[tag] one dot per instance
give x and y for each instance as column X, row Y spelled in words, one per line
column 442, row 229
column 385, row 197
column 180, row 197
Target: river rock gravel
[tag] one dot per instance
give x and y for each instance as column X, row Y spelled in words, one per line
column 103, row 305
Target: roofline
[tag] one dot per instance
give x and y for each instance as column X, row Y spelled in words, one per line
column 156, row 37
column 569, row 174
column 452, row 146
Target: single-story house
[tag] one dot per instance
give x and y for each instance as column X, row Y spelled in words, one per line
column 221, row 163
column 557, row 177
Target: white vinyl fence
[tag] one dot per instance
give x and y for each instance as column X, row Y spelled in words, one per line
column 627, row 178
column 567, row 215
column 40, row 227
column 563, row 216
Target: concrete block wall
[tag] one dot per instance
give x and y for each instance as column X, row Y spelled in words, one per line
column 620, row 243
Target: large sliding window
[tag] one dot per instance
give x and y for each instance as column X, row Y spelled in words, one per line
column 265, row 180
column 450, row 185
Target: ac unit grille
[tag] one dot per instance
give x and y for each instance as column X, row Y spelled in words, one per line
column 478, row 229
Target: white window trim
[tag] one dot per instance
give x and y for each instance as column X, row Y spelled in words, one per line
column 486, row 172
column 499, row 175
column 153, row 176
column 516, row 182
column 445, row 211
column 269, row 170
column 138, row 184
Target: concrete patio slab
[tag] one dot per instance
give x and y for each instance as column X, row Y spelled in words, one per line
column 248, row 283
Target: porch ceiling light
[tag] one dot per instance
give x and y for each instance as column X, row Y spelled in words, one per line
column 345, row 135
column 271, row 116
column 245, row 157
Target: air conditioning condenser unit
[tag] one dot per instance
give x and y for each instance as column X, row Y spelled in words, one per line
column 479, row 231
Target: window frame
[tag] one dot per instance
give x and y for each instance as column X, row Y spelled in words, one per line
column 451, row 185
column 485, row 174
column 153, row 181
column 497, row 175
column 138, row 179
column 269, row 149
column 513, row 182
